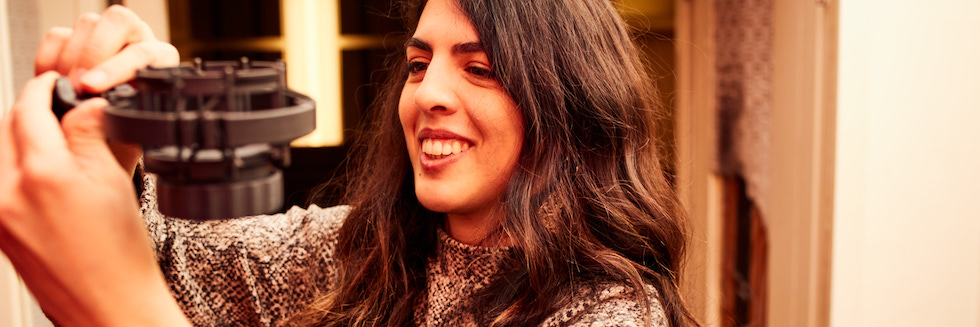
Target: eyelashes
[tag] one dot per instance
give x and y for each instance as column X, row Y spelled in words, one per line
column 415, row 67
column 479, row 71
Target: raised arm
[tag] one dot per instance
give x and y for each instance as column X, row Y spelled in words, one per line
column 254, row 271
column 68, row 220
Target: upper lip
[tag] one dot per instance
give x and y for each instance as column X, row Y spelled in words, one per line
column 428, row 133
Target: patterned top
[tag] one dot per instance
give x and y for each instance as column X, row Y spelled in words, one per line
column 258, row 271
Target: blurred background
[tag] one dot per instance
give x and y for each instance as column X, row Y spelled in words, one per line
column 825, row 150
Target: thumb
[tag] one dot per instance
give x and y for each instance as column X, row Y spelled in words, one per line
column 83, row 128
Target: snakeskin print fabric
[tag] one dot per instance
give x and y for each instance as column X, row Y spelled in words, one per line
column 460, row 270
column 258, row 271
column 253, row 271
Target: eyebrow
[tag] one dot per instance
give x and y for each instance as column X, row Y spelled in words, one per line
column 468, row 47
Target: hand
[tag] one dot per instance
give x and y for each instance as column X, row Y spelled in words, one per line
column 103, row 51
column 69, row 222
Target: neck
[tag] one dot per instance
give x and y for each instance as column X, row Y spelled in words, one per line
column 476, row 229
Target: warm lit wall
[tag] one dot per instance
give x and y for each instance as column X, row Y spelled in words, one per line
column 907, row 213
column 13, row 311
column 154, row 13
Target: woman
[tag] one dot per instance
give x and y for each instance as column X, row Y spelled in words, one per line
column 510, row 179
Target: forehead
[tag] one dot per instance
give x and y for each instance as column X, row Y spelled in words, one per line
column 443, row 20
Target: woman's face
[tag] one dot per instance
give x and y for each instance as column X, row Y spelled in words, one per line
column 463, row 132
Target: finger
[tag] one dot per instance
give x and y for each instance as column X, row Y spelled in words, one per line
column 34, row 127
column 127, row 154
column 85, row 134
column 117, row 28
column 69, row 54
column 50, row 49
column 123, row 66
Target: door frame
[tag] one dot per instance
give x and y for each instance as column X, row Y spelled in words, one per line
column 799, row 212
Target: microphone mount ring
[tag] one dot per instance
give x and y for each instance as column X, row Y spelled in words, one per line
column 215, row 133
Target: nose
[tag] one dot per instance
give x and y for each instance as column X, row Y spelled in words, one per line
column 437, row 92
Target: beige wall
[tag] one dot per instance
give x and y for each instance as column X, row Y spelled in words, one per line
column 154, row 13
column 13, row 310
column 907, row 216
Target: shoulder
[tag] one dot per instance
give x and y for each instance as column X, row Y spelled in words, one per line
column 296, row 226
column 611, row 304
column 329, row 219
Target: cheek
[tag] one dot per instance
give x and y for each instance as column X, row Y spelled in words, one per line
column 513, row 128
column 408, row 117
column 506, row 127
column 403, row 111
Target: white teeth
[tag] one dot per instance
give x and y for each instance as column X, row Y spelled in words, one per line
column 442, row 148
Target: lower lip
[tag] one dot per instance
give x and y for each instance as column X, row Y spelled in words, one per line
column 430, row 164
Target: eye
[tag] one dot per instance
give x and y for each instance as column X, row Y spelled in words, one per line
column 479, row 71
column 415, row 66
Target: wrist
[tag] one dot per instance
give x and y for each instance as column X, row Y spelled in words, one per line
column 149, row 307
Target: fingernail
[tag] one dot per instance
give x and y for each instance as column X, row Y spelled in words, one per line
column 94, row 78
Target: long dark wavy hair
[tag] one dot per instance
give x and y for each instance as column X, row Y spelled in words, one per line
column 589, row 201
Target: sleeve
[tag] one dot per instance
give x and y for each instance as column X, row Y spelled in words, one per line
column 613, row 305
column 253, row 271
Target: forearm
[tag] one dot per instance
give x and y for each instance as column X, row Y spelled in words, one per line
column 155, row 308
column 151, row 307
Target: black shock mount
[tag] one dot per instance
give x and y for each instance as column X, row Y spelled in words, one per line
column 216, row 134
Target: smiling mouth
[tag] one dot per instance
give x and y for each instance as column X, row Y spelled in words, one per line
column 438, row 149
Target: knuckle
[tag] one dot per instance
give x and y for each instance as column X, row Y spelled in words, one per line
column 37, row 170
column 87, row 19
column 58, row 33
column 119, row 13
column 42, row 174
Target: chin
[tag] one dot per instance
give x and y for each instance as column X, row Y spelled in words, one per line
column 437, row 205
column 436, row 195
